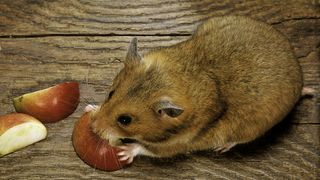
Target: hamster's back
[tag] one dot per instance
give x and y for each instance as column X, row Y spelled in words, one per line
column 255, row 65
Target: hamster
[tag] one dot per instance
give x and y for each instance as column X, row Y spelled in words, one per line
column 228, row 84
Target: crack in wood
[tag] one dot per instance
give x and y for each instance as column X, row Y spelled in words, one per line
column 89, row 35
column 131, row 34
column 295, row 19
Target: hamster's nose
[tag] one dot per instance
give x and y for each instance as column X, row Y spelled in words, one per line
column 124, row 120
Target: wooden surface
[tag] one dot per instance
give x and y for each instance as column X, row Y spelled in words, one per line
column 43, row 43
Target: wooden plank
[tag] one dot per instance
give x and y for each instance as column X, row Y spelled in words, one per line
column 96, row 60
column 33, row 17
column 60, row 40
column 288, row 151
column 28, row 64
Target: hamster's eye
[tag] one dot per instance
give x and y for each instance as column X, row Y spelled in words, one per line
column 110, row 94
column 124, row 120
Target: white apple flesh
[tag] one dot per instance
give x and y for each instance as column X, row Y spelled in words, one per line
column 18, row 131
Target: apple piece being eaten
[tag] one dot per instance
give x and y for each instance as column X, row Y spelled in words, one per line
column 19, row 130
column 93, row 150
column 51, row 104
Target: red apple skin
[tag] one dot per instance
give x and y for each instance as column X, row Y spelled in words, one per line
column 10, row 120
column 51, row 104
column 93, row 150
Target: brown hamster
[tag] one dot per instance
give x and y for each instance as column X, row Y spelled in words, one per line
column 229, row 83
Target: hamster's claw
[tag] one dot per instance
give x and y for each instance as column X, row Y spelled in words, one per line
column 128, row 152
column 224, row 148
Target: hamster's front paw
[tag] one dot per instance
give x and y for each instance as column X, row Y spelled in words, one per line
column 90, row 107
column 129, row 151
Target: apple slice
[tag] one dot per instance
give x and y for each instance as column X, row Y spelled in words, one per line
column 19, row 130
column 51, row 104
column 93, row 150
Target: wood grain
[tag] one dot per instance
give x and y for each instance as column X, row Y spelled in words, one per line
column 143, row 17
column 46, row 42
column 30, row 64
column 288, row 151
column 96, row 60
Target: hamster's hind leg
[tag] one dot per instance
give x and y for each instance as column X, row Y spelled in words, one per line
column 224, row 148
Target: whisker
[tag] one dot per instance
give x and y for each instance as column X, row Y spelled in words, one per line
column 85, row 154
column 115, row 156
column 100, row 142
column 105, row 160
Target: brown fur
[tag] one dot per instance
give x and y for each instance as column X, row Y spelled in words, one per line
column 234, row 78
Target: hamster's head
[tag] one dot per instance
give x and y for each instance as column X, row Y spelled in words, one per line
column 145, row 103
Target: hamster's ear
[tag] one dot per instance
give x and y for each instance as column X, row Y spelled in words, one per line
column 166, row 108
column 132, row 54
